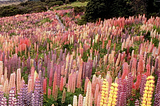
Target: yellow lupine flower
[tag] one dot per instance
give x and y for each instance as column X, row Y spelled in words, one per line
column 113, row 94
column 104, row 93
column 148, row 91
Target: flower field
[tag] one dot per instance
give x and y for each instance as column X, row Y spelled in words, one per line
column 46, row 59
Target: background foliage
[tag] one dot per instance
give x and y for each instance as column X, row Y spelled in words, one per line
column 120, row 8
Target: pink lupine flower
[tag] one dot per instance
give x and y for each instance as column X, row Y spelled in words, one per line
column 109, row 79
column 6, row 87
column 98, row 99
column 140, row 68
column 30, row 85
column 49, row 92
column 125, row 70
column 63, row 96
column 50, row 77
column 96, row 94
column 18, row 79
column 148, row 70
column 54, row 83
column 12, row 81
column 5, row 73
column 94, row 82
column 133, row 68
column 1, row 69
column 85, row 85
column 79, row 75
column 88, row 94
column 80, row 100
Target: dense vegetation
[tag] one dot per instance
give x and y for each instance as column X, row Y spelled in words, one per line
column 47, row 59
column 27, row 7
column 120, row 8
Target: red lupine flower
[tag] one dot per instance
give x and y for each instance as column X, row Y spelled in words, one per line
column 44, row 85
column 61, row 84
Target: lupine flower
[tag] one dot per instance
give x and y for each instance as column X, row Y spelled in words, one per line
column 49, row 92
column 88, row 95
column 104, row 93
column 125, row 70
column 61, row 84
column 63, row 96
column 75, row 100
column 80, row 100
column 18, row 79
column 148, row 91
column 112, row 100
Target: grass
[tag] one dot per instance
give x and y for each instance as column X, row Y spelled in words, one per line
column 74, row 4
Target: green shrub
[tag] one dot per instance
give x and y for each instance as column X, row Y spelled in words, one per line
column 23, row 8
column 51, row 4
column 47, row 1
column 79, row 9
column 82, row 0
column 155, row 41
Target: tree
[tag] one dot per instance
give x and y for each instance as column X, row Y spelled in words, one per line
column 97, row 9
column 120, row 8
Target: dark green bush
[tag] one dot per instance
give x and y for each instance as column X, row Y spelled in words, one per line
column 79, row 9
column 47, row 1
column 10, row 11
column 51, row 4
column 23, row 8
column 82, row 0
column 105, row 9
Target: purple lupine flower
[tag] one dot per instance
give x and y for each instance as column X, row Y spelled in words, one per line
column 45, row 60
column 129, row 84
column 58, row 75
column 11, row 96
column 28, row 98
column 142, row 85
column 120, row 89
column 60, row 56
column 33, row 100
column 157, row 99
column 24, row 91
column 34, row 63
column 19, row 62
column 50, row 77
column 43, row 70
column 122, row 99
column 14, row 101
column 125, row 87
column 84, row 70
column 158, row 84
column 37, row 92
column 156, row 66
column 4, row 101
column 1, row 96
column 20, row 100
column 28, row 63
column 48, row 68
